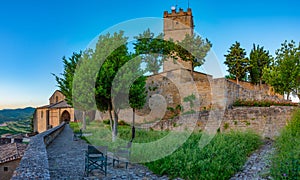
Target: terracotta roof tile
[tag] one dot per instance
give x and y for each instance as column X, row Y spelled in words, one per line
column 12, row 151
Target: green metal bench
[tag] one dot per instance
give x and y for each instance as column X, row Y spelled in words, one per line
column 77, row 135
column 122, row 154
column 96, row 158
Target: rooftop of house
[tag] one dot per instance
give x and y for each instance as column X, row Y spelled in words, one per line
column 12, row 151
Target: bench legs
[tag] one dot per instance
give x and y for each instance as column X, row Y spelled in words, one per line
column 114, row 160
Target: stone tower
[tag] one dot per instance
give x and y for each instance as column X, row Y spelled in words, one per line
column 176, row 26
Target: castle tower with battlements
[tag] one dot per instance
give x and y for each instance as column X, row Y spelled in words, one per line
column 176, row 25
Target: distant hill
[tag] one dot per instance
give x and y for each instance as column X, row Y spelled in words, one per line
column 16, row 114
column 16, row 127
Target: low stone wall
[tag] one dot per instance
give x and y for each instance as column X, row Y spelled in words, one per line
column 265, row 121
column 34, row 163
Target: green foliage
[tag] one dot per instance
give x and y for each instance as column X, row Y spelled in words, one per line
column 152, row 50
column 259, row 59
column 65, row 83
column 220, row 159
column 108, row 89
column 16, row 114
column 193, row 49
column 226, row 126
column 121, row 122
column 230, row 76
column 286, row 161
column 262, row 103
column 236, row 61
column 191, row 98
column 284, row 73
column 138, row 93
column 16, row 127
column 102, row 136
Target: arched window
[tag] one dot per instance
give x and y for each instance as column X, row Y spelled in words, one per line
column 56, row 99
column 42, row 114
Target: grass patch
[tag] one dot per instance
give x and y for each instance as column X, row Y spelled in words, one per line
column 286, row 161
column 101, row 134
column 220, row 159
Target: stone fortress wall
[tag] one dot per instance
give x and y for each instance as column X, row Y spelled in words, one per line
column 214, row 98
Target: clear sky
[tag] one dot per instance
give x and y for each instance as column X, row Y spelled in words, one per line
column 36, row 34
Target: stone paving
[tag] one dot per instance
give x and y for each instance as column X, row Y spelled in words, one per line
column 66, row 157
column 258, row 165
column 66, row 161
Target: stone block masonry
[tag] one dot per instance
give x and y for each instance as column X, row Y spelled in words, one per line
column 265, row 121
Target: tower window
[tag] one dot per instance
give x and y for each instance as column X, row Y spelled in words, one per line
column 56, row 99
column 5, row 169
column 42, row 114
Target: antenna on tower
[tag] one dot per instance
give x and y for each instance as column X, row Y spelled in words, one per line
column 188, row 4
column 176, row 4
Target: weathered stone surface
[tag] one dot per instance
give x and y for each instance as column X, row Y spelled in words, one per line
column 66, row 156
column 34, row 164
column 258, row 164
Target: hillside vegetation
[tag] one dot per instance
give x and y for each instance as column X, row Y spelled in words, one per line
column 16, row 114
column 16, row 127
column 16, row 120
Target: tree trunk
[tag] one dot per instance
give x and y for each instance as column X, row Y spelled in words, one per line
column 133, row 122
column 237, row 80
column 115, row 127
column 110, row 118
column 133, row 116
column 83, row 121
column 288, row 96
column 260, row 82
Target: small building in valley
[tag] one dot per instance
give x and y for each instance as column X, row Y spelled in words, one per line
column 10, row 157
column 58, row 111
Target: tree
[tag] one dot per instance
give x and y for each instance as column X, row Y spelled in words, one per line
column 78, row 63
column 83, row 94
column 65, row 83
column 129, row 88
column 114, row 60
column 193, row 49
column 284, row 73
column 151, row 49
column 259, row 58
column 137, row 98
column 236, row 61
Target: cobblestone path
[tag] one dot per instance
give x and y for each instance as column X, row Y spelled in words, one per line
column 258, row 165
column 66, row 157
column 66, row 161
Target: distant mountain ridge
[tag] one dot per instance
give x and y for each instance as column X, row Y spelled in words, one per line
column 16, row 114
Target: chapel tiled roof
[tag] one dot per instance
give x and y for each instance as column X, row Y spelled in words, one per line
column 12, row 151
column 61, row 104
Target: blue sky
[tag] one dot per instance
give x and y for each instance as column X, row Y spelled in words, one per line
column 35, row 35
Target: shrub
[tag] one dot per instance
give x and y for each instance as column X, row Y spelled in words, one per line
column 286, row 161
column 262, row 103
column 123, row 123
column 120, row 122
column 107, row 121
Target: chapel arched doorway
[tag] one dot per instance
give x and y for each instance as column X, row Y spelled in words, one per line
column 65, row 116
